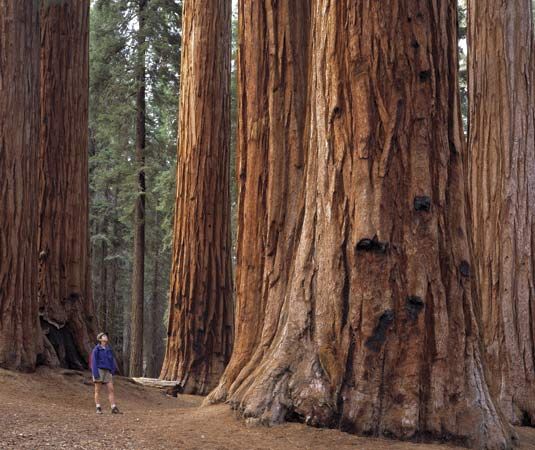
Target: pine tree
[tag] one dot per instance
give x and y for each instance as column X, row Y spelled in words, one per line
column 138, row 272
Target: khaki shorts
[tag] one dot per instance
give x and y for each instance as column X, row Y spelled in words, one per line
column 105, row 376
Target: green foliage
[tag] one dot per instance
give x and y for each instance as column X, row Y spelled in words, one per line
column 113, row 182
column 113, row 173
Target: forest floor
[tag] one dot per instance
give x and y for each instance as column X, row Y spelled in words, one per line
column 54, row 409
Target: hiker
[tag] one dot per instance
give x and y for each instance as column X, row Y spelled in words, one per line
column 103, row 368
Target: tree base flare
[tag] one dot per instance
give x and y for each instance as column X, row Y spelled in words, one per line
column 302, row 393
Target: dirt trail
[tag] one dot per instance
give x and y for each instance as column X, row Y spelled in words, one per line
column 54, row 409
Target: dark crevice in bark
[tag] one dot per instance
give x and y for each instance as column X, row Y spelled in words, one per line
column 422, row 203
column 413, row 306
column 377, row 339
column 372, row 245
column 65, row 345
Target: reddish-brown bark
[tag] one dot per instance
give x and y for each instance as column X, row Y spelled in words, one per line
column 65, row 299
column 375, row 328
column 20, row 334
column 201, row 306
column 272, row 98
column 501, row 178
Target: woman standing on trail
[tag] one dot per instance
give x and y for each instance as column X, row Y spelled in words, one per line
column 103, row 368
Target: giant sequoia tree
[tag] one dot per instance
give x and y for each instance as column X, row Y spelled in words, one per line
column 374, row 329
column 200, row 312
column 502, row 190
column 65, row 300
column 272, row 74
column 20, row 335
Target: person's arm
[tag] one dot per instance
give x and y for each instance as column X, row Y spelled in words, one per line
column 94, row 367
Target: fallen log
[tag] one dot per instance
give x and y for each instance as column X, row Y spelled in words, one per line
column 171, row 388
column 155, row 382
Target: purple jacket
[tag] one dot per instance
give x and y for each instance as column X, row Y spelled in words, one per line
column 102, row 358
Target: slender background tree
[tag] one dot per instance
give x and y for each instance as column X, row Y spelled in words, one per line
column 138, row 273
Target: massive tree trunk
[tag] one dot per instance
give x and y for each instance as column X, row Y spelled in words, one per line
column 201, row 305
column 375, row 330
column 272, row 98
column 502, row 190
column 65, row 300
column 138, row 273
column 20, row 334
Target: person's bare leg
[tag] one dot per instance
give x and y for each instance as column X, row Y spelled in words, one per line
column 97, row 394
column 111, row 393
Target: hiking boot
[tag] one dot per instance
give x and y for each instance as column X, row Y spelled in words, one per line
column 99, row 410
column 115, row 410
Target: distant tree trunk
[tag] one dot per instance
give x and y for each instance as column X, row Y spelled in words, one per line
column 116, row 295
column 126, row 339
column 111, row 294
column 272, row 98
column 20, row 333
column 113, row 302
column 201, row 305
column 65, row 300
column 154, row 357
column 99, row 253
column 138, row 274
column 502, row 188
column 103, row 279
column 375, row 330
column 114, row 275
